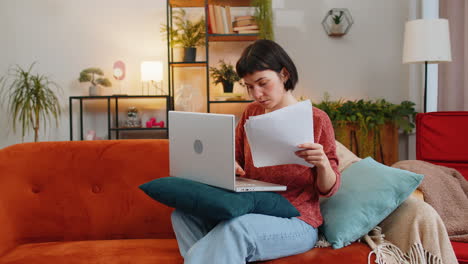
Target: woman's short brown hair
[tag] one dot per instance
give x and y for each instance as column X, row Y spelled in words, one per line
column 267, row 55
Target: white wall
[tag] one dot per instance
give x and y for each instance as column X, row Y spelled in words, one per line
column 65, row 37
column 365, row 63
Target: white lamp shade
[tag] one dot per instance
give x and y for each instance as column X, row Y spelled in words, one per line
column 151, row 71
column 427, row 40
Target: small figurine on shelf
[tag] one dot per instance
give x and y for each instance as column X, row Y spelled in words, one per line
column 152, row 123
column 132, row 117
column 91, row 135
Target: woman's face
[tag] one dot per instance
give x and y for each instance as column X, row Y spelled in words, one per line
column 267, row 88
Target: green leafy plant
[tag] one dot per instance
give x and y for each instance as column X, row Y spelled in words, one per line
column 30, row 99
column 184, row 32
column 364, row 120
column 264, row 18
column 225, row 73
column 92, row 75
column 337, row 18
column 370, row 114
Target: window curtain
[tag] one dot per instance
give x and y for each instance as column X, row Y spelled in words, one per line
column 453, row 76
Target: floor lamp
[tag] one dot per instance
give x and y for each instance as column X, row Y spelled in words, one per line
column 426, row 41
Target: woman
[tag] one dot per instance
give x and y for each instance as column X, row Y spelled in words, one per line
column 270, row 76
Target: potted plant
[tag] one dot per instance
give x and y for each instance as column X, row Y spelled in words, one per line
column 92, row 75
column 186, row 34
column 30, row 99
column 226, row 75
column 370, row 127
column 336, row 27
column 264, row 18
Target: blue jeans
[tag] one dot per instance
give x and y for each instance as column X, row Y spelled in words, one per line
column 251, row 237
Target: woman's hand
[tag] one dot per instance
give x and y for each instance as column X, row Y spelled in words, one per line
column 239, row 170
column 313, row 153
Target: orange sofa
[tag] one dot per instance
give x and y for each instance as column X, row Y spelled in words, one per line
column 79, row 202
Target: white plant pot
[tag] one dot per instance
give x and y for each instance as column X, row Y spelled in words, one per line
column 336, row 28
column 94, row 90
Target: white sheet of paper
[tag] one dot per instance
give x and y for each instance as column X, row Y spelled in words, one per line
column 273, row 137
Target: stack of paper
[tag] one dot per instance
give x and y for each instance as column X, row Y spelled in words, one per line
column 273, row 137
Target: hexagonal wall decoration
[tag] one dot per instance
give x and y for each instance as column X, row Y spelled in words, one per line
column 337, row 22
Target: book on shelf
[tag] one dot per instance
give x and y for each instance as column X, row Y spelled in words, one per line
column 225, row 21
column 251, row 27
column 229, row 19
column 237, row 18
column 253, row 31
column 211, row 20
column 219, row 19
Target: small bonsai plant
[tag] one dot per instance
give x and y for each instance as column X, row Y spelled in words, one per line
column 226, row 75
column 30, row 99
column 91, row 75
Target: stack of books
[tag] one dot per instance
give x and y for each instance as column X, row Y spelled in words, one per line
column 220, row 22
column 245, row 25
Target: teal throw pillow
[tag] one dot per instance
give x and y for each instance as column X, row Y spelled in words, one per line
column 369, row 192
column 215, row 203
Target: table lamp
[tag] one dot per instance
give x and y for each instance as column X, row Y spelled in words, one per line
column 152, row 76
column 426, row 41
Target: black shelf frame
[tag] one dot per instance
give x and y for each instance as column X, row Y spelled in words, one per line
column 116, row 99
column 202, row 64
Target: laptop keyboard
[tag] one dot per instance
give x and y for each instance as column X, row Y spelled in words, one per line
column 243, row 182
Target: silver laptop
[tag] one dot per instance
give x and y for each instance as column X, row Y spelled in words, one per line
column 201, row 148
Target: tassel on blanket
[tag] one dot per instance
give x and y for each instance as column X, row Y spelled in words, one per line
column 322, row 242
column 387, row 253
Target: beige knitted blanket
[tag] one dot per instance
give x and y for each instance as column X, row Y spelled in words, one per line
column 446, row 190
column 414, row 233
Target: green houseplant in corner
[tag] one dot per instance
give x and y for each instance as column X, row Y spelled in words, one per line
column 226, row 75
column 185, row 33
column 92, row 75
column 264, row 18
column 370, row 127
column 30, row 99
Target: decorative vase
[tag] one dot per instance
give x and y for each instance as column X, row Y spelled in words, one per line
column 190, row 54
column 94, row 90
column 228, row 86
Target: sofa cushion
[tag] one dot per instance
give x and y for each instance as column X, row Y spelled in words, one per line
column 461, row 251
column 345, row 156
column 215, row 203
column 354, row 253
column 369, row 192
column 441, row 139
column 141, row 251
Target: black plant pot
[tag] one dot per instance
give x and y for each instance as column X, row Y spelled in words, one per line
column 228, row 87
column 190, row 54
